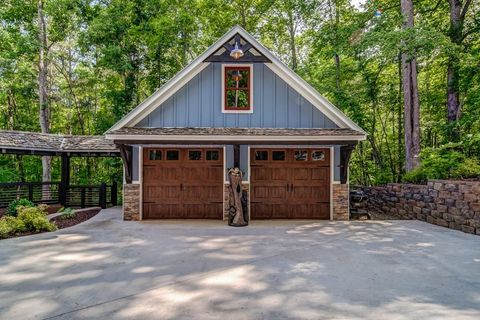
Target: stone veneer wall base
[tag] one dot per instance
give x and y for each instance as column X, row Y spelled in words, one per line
column 131, row 202
column 340, row 202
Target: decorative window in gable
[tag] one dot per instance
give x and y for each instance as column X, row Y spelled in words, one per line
column 237, row 89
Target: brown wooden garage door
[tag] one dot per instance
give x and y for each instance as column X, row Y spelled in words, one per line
column 183, row 183
column 290, row 183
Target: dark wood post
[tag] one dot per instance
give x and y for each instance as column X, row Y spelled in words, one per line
column 345, row 153
column 113, row 193
column 30, row 191
column 82, row 197
column 103, row 195
column 126, row 152
column 64, row 180
column 236, row 156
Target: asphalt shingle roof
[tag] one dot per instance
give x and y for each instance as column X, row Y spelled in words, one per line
column 236, row 131
column 34, row 141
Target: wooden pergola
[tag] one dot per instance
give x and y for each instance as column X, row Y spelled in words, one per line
column 64, row 146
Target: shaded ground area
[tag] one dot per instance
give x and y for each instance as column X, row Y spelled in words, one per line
column 105, row 268
column 385, row 216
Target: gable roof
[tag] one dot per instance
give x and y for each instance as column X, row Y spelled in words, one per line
column 197, row 65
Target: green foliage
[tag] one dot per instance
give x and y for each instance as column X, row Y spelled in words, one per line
column 12, row 209
column 10, row 226
column 445, row 163
column 29, row 219
column 35, row 218
column 67, row 213
column 105, row 57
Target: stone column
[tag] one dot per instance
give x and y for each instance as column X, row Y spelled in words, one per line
column 341, row 201
column 131, row 202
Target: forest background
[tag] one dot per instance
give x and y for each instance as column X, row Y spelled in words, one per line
column 78, row 66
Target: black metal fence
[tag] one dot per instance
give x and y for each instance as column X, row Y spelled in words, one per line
column 82, row 196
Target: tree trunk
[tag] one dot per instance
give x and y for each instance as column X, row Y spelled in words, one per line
column 457, row 20
column 44, row 114
column 337, row 71
column 453, row 101
column 293, row 48
column 410, row 97
column 336, row 56
column 400, row 121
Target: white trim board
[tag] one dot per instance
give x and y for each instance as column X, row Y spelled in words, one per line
column 140, row 178
column 278, row 67
column 172, row 138
column 332, row 179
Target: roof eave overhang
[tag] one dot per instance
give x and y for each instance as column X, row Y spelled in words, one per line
column 223, row 139
column 56, row 152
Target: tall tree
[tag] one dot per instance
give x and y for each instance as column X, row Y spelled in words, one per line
column 411, row 103
column 458, row 12
column 44, row 114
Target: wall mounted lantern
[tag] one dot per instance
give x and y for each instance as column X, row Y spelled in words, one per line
column 236, row 53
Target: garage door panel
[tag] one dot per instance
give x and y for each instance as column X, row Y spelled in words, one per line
column 322, row 174
column 190, row 187
column 269, row 192
column 302, row 192
column 152, row 193
column 290, row 187
column 278, row 174
column 261, row 173
column 201, row 193
column 163, row 174
column 194, row 210
column 214, row 210
column 162, row 211
column 300, row 174
column 193, row 174
column 301, row 211
column 321, row 210
column 322, row 194
column 214, row 173
column 262, row 210
column 280, row 211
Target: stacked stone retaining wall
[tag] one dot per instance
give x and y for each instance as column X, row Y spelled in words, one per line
column 451, row 204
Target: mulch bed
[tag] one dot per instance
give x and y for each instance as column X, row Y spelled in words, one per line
column 52, row 208
column 80, row 216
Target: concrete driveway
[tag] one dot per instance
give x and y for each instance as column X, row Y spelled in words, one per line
column 109, row 269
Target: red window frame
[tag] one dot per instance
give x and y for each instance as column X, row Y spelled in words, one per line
column 247, row 89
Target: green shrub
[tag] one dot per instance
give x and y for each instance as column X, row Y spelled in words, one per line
column 29, row 219
column 11, row 225
column 68, row 213
column 35, row 219
column 470, row 168
column 13, row 206
column 444, row 163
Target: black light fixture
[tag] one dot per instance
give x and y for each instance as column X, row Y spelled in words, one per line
column 236, row 53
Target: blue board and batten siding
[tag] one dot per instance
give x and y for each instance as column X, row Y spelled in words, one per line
column 275, row 104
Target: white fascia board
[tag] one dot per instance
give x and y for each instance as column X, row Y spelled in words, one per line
column 230, row 138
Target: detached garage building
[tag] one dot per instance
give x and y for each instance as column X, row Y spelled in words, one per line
column 236, row 106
